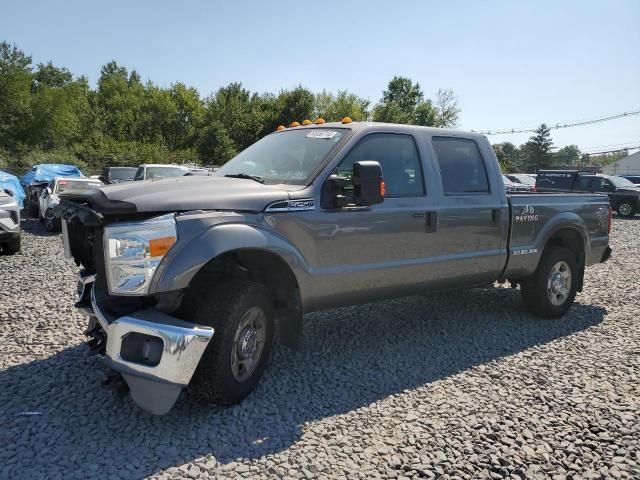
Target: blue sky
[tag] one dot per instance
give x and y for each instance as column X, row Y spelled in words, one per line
column 511, row 63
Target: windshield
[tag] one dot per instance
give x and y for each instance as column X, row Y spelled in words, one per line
column 622, row 182
column 74, row 185
column 291, row 156
column 161, row 172
column 122, row 173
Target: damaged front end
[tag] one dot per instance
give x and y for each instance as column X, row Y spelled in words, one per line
column 137, row 336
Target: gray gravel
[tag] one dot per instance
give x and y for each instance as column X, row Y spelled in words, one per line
column 462, row 385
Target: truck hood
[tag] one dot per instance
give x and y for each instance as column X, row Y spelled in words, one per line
column 182, row 194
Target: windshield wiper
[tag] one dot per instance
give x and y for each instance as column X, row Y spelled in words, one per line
column 255, row 178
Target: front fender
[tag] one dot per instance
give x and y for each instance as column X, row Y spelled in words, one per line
column 194, row 250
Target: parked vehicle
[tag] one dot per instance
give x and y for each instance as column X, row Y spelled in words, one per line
column 9, row 222
column 623, row 195
column 523, row 178
column 49, row 200
column 635, row 179
column 11, row 185
column 117, row 174
column 515, row 187
column 156, row 172
column 184, row 279
column 36, row 179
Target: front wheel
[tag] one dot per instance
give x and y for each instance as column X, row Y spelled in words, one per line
column 241, row 314
column 626, row 208
column 50, row 220
column 552, row 288
column 12, row 246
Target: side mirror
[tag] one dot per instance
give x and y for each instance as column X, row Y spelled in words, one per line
column 365, row 188
column 368, row 184
column 48, row 190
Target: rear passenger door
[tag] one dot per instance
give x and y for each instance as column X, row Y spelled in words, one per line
column 472, row 216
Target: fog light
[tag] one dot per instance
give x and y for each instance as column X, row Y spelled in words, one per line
column 142, row 349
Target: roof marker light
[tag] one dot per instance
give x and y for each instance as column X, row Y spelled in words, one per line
column 295, row 124
column 280, row 127
column 347, row 120
column 320, row 121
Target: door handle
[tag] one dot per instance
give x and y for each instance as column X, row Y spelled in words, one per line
column 431, row 223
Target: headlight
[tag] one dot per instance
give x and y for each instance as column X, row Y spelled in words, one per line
column 133, row 251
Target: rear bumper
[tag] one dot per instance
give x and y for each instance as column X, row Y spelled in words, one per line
column 156, row 353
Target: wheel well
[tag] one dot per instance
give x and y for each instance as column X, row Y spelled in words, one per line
column 572, row 240
column 259, row 266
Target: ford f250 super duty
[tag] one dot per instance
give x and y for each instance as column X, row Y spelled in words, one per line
column 187, row 280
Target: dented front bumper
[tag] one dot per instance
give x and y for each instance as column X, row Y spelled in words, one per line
column 155, row 353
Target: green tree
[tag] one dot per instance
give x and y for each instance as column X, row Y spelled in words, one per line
column 509, row 157
column 538, row 149
column 215, row 145
column 15, row 89
column 568, row 155
column 403, row 102
column 48, row 75
column 334, row 107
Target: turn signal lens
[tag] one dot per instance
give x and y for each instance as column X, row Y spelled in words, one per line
column 158, row 247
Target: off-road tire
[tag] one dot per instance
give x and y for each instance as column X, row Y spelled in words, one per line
column 534, row 288
column 12, row 246
column 626, row 208
column 223, row 307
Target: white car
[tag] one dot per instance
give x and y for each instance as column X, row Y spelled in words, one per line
column 9, row 223
column 148, row 171
column 49, row 198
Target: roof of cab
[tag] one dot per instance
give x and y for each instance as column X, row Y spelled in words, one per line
column 380, row 126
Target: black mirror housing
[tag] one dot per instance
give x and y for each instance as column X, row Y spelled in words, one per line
column 332, row 195
column 368, row 183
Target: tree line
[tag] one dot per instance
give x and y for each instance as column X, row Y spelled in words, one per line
column 537, row 153
column 49, row 115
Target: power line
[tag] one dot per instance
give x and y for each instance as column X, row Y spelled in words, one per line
column 560, row 125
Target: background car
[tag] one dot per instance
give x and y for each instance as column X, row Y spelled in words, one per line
column 523, row 178
column 632, row 178
column 112, row 175
column 36, row 179
column 9, row 222
column 157, row 171
column 513, row 187
column 49, row 198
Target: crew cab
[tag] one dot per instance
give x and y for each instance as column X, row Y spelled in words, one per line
column 624, row 195
column 185, row 279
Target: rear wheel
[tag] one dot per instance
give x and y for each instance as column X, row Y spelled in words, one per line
column 552, row 288
column 241, row 313
column 626, row 208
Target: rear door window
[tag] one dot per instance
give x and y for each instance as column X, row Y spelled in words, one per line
column 583, row 183
column 462, row 168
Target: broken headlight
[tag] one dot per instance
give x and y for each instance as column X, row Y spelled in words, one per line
column 133, row 252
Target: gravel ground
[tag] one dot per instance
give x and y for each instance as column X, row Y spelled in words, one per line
column 464, row 385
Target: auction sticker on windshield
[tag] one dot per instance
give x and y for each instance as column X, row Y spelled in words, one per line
column 321, row 134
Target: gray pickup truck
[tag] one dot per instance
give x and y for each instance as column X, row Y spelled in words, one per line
column 186, row 281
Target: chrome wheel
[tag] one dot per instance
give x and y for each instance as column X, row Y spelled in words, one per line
column 624, row 209
column 559, row 283
column 248, row 343
column 49, row 220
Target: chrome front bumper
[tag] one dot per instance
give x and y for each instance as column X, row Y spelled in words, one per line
column 154, row 386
